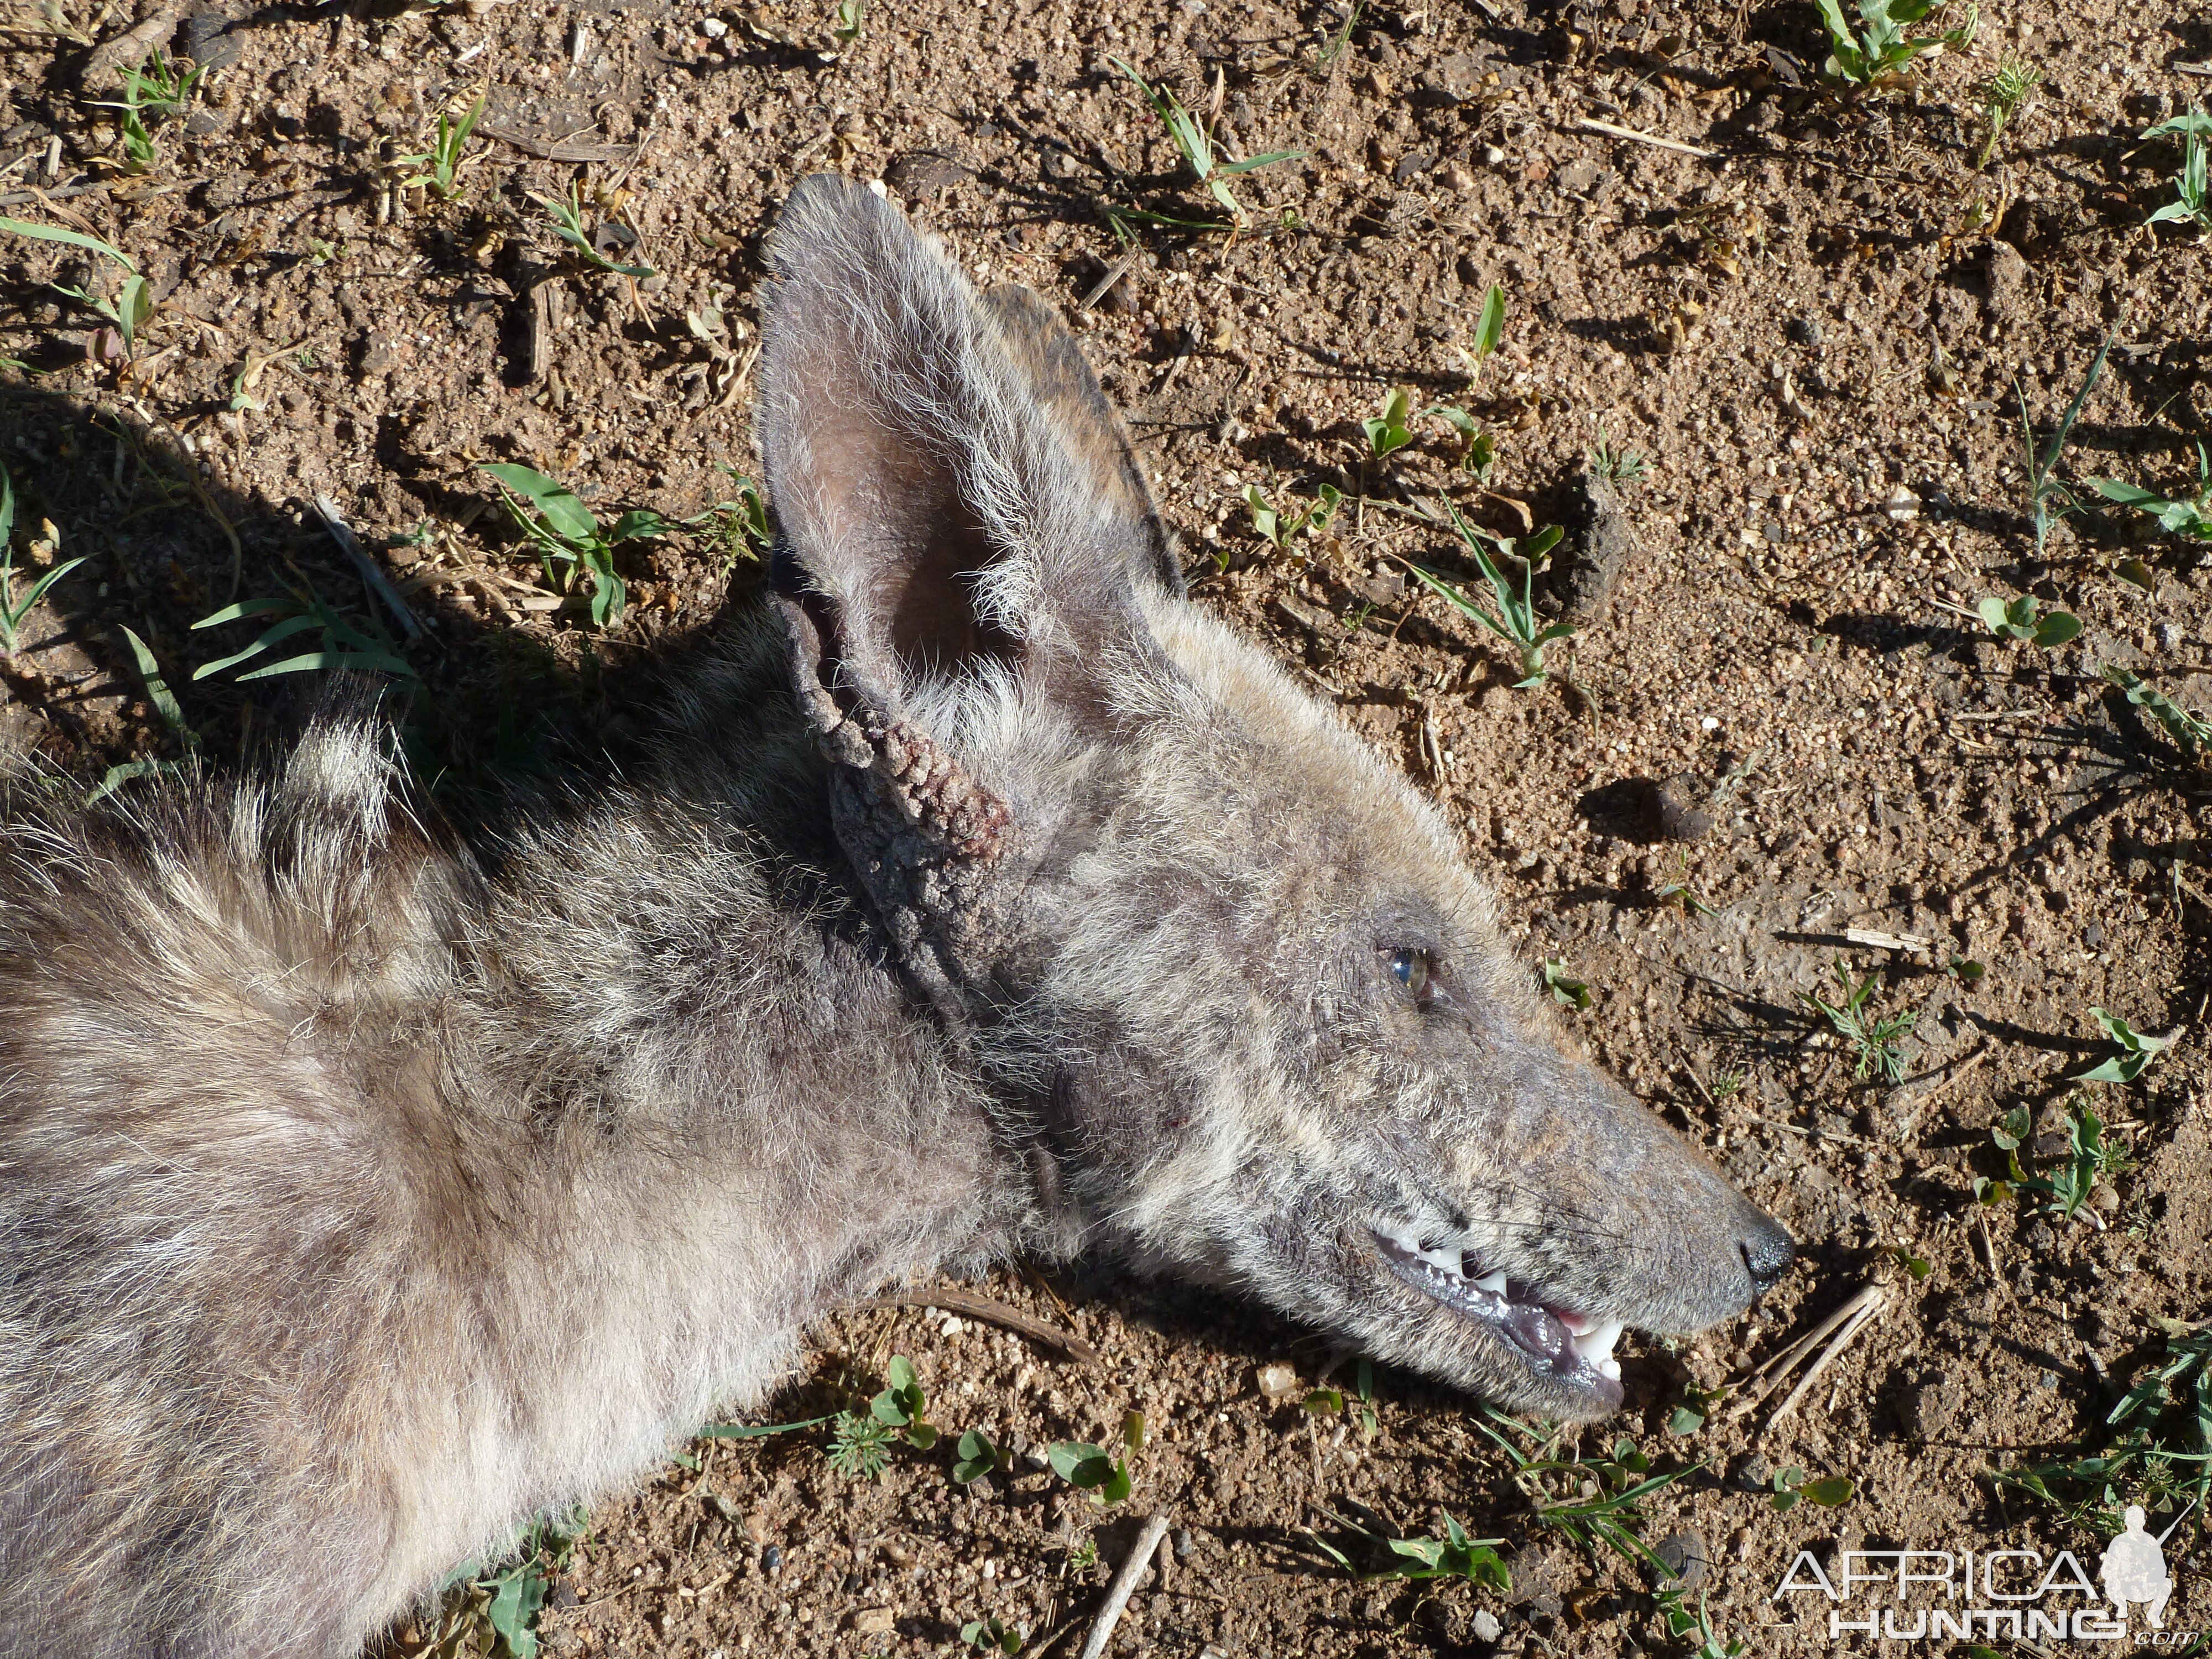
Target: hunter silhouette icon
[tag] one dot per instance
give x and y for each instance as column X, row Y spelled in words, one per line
column 2133, row 1570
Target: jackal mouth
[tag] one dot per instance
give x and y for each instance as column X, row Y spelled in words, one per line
column 1557, row 1343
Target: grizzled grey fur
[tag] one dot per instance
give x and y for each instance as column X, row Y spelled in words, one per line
column 358, row 1198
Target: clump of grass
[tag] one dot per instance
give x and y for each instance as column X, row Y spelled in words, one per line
column 1864, row 57
column 2192, row 202
column 1195, row 140
column 133, row 305
column 445, row 157
column 1876, row 1039
column 2001, row 97
column 14, row 611
column 1517, row 621
column 2048, row 499
column 567, row 213
column 2146, row 1457
column 1454, row 1555
column 341, row 645
column 155, row 91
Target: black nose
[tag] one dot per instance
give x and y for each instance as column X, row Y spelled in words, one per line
column 1767, row 1253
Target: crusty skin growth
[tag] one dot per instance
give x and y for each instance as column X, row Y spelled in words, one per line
column 359, row 1199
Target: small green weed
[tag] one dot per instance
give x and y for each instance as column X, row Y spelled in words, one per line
column 2188, row 734
column 1517, row 621
column 1567, row 991
column 1478, row 449
column 2048, row 499
column 1622, row 468
column 2167, row 1408
column 1696, row 1405
column 342, row 644
column 1727, row 1084
column 1790, row 1486
column 444, row 158
column 2192, row 202
column 1681, row 1621
column 1327, row 1402
column 1455, row 1555
column 991, row 1636
column 1270, row 523
column 1681, row 894
column 1334, row 45
column 569, row 537
column 977, row 1457
column 499, row 1612
column 901, row 1406
column 15, row 611
column 1104, row 1476
column 1393, row 429
column 1489, row 330
column 1597, row 1504
column 2137, row 1049
column 1876, row 1041
column 2190, row 516
column 567, row 213
column 1195, row 141
column 2024, row 619
column 2001, row 97
column 2069, row 1178
column 1860, row 60
column 156, row 91
column 741, row 521
column 859, row 1447
column 851, row 14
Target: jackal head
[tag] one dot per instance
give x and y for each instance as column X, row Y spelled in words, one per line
column 1247, row 1018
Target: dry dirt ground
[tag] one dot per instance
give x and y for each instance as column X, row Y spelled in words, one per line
column 1808, row 310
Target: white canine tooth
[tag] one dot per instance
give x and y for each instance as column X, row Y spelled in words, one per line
column 1446, row 1261
column 1609, row 1367
column 1494, row 1283
column 1404, row 1237
column 1595, row 1347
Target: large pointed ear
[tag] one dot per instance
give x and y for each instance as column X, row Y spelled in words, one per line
column 941, row 506
column 1060, row 379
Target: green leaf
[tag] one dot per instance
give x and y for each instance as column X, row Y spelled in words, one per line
column 1323, row 1402
column 1079, row 1461
column 1116, row 1488
column 358, row 662
column 1133, row 1431
column 157, row 689
column 563, row 514
column 74, row 238
column 1827, row 1493
column 977, row 1457
column 639, row 524
column 2013, row 1129
column 1490, row 325
column 753, row 1431
column 1684, row 1420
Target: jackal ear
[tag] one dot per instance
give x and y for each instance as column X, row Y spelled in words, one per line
column 946, row 497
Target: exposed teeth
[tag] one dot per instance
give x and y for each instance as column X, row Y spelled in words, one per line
column 1443, row 1262
column 1595, row 1344
column 1493, row 1283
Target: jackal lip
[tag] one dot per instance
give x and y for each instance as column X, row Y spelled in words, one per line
column 1557, row 1343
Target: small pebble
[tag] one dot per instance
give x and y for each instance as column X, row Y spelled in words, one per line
column 713, row 27
column 1485, row 1625
column 1492, row 156
column 1805, row 331
column 1900, row 506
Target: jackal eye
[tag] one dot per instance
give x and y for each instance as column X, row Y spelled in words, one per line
column 1411, row 968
